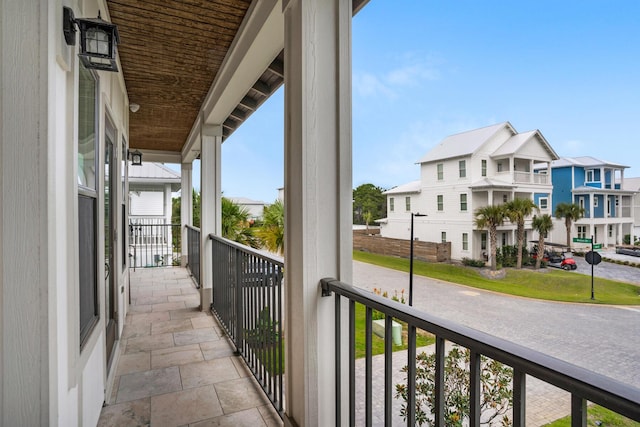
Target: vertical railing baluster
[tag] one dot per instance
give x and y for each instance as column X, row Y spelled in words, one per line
column 411, row 375
column 474, row 389
column 519, row 397
column 352, row 363
column 439, row 382
column 578, row 411
column 238, row 301
column 388, row 369
column 338, row 359
column 280, row 326
column 368, row 367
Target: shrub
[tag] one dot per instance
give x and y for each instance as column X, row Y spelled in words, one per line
column 470, row 262
column 496, row 390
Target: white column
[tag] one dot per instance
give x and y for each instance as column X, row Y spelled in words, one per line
column 591, row 207
column 186, row 207
column 318, row 199
column 210, row 206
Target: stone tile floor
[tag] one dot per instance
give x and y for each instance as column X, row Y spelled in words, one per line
column 174, row 367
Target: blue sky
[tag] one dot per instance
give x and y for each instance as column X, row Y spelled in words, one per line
column 423, row 70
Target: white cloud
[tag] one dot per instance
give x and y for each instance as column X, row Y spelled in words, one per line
column 368, row 85
column 411, row 75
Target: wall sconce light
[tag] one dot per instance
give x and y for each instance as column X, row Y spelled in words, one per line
column 135, row 157
column 98, row 40
column 133, row 107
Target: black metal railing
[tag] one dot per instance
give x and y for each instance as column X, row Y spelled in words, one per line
column 153, row 243
column 193, row 255
column 583, row 385
column 248, row 302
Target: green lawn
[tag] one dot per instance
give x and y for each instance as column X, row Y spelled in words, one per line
column 597, row 413
column 546, row 284
column 377, row 343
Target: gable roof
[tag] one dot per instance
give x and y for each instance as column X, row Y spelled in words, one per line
column 409, row 187
column 154, row 173
column 517, row 141
column 464, row 144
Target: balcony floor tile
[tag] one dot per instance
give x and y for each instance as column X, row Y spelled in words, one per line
column 174, row 369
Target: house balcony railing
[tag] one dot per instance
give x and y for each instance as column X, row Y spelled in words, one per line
column 528, row 177
column 152, row 242
column 193, row 256
column 248, row 302
column 582, row 384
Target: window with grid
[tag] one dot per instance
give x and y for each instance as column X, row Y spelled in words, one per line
column 407, row 203
column 463, row 202
column 484, row 168
column 391, row 203
column 443, row 236
column 544, row 203
column 465, row 241
column 440, row 168
column 582, row 231
column 440, row 202
column 462, row 166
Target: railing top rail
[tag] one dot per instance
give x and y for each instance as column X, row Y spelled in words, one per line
column 592, row 386
column 191, row 227
column 267, row 256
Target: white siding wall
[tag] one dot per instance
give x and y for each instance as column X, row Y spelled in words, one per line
column 147, row 203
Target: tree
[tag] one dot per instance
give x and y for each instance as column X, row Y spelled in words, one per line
column 496, row 391
column 176, row 216
column 517, row 211
column 236, row 224
column 368, row 198
column 570, row 212
column 490, row 217
column 271, row 233
column 368, row 217
column 543, row 225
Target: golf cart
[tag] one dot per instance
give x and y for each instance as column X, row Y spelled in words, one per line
column 557, row 255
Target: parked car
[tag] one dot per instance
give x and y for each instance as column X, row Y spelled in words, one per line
column 628, row 250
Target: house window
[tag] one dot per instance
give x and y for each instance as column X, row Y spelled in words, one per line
column 484, row 168
column 87, row 203
column 462, row 166
column 440, row 202
column 483, row 241
column 500, row 166
column 610, row 230
column 590, row 175
column 581, row 202
column 582, row 231
column 505, row 198
column 443, row 237
column 504, row 239
column 544, row 203
column 463, row 202
column 440, row 167
column 596, row 201
column 391, row 203
column 407, row 203
column 465, row 241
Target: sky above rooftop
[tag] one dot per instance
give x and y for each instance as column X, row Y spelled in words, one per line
column 423, row 70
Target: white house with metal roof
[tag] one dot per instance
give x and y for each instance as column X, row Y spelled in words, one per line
column 598, row 187
column 466, row 171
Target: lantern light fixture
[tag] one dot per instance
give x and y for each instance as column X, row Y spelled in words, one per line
column 135, row 157
column 98, row 40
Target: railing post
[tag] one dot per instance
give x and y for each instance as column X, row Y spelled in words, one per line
column 238, row 295
column 578, row 411
column 519, row 397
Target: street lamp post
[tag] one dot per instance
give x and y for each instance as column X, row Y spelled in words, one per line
column 411, row 259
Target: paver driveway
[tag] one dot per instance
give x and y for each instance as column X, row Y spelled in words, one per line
column 604, row 339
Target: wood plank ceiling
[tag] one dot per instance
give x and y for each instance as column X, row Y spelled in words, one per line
column 170, row 53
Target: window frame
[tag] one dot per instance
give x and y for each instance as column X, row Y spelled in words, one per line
column 546, row 203
column 443, row 237
column 391, row 204
column 465, row 241
column 483, row 167
column 440, row 171
column 463, row 203
column 407, row 203
column 462, row 168
column 440, row 202
column 581, row 231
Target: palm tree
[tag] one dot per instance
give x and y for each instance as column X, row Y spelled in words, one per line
column 491, row 217
column 542, row 224
column 368, row 217
column 271, row 233
column 570, row 212
column 517, row 211
column 236, row 224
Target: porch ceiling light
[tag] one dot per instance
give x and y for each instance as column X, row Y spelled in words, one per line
column 98, row 40
column 135, row 157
